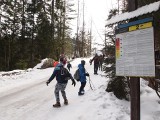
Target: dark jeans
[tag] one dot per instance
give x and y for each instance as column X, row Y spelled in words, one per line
column 95, row 68
column 83, row 84
column 100, row 66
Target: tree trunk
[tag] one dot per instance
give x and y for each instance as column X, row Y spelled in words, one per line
column 52, row 21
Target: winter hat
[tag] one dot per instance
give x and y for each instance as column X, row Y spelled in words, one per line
column 83, row 62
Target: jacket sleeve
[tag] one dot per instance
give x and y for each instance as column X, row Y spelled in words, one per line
column 92, row 59
column 52, row 76
column 71, row 76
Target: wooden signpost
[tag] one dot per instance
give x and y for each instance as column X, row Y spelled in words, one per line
column 135, row 57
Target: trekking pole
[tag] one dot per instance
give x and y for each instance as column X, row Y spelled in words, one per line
column 90, row 83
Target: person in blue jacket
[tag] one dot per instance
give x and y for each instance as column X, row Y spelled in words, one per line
column 83, row 74
column 62, row 76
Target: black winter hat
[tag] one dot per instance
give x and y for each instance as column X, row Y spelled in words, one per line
column 83, row 62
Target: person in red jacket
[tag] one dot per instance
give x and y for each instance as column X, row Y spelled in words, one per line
column 55, row 63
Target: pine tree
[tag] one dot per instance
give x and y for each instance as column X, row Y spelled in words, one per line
column 117, row 85
column 33, row 30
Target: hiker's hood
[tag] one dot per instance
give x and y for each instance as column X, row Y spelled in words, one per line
column 60, row 64
column 80, row 66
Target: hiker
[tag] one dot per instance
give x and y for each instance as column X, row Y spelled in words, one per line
column 101, row 59
column 55, row 63
column 62, row 76
column 96, row 63
column 69, row 66
column 62, row 56
column 83, row 74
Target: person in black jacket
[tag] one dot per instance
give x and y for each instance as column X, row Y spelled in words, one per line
column 69, row 66
column 62, row 76
column 101, row 59
column 96, row 63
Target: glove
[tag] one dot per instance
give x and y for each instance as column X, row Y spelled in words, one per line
column 47, row 83
column 73, row 82
column 86, row 74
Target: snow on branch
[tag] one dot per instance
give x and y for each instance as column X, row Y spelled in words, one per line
column 140, row 11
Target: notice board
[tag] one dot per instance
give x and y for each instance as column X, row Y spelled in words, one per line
column 135, row 52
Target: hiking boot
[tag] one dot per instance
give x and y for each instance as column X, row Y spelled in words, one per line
column 66, row 102
column 57, row 104
column 80, row 93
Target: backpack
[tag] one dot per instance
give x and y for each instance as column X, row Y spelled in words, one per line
column 76, row 75
column 65, row 75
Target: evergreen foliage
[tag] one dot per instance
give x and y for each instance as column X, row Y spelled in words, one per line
column 118, row 85
column 31, row 31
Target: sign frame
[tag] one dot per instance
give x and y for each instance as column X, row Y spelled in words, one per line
column 141, row 31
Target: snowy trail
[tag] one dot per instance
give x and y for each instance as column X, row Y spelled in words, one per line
column 34, row 100
column 30, row 102
column 23, row 101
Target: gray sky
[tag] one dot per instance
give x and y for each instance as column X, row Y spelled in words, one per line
column 97, row 10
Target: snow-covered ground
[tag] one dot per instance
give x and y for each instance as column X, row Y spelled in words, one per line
column 25, row 96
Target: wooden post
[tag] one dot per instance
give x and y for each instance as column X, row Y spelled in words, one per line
column 132, row 5
column 135, row 98
column 134, row 81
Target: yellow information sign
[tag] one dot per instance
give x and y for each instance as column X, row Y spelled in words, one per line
column 140, row 26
